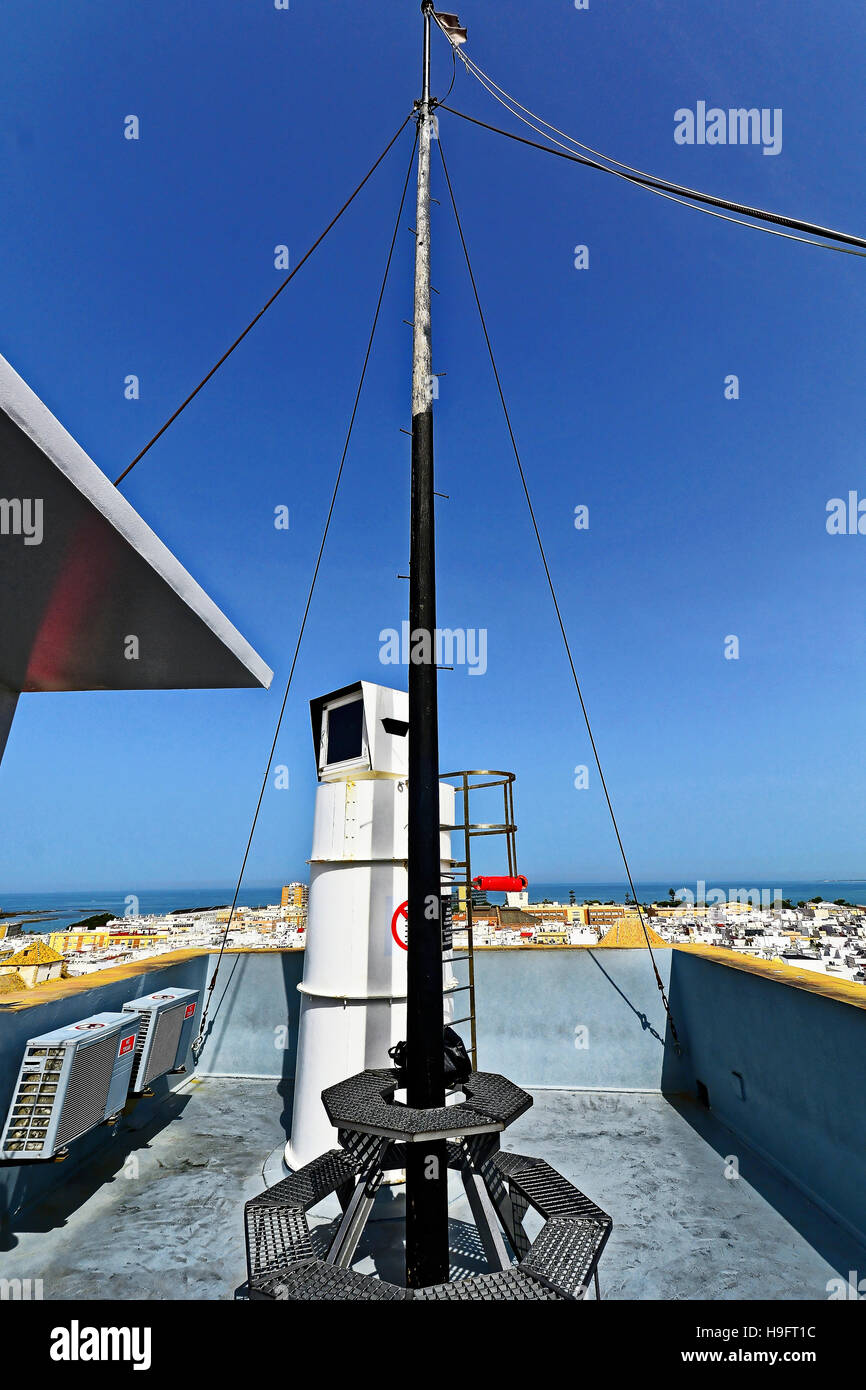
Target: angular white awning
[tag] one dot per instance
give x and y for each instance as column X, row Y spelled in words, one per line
column 81, row 573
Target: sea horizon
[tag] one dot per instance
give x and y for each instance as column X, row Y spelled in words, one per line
column 66, row 908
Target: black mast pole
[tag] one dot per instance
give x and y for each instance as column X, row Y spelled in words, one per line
column 426, row 1170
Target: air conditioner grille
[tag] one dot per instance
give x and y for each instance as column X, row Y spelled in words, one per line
column 163, row 1051
column 87, row 1091
column 145, row 1020
column 143, row 1029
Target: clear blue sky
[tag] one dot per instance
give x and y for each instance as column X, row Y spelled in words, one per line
column 707, row 516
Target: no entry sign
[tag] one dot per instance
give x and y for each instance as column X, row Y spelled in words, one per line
column 400, row 925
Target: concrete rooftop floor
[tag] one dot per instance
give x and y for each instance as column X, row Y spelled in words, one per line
column 162, row 1218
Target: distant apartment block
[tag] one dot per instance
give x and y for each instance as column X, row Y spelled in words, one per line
column 295, row 895
column 97, row 940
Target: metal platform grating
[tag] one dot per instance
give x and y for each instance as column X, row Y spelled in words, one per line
column 311, row 1183
column 277, row 1233
column 276, row 1236
column 546, row 1190
column 316, row 1281
column 500, row 1187
column 566, row 1252
column 507, row 1285
column 364, row 1103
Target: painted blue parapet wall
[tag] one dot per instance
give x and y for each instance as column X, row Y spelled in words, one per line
column 578, row 1017
column 252, row 1030
column 21, row 1185
column 785, row 1068
column 253, row 1019
column 546, row 1018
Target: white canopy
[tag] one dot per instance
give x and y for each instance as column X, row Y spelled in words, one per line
column 81, row 573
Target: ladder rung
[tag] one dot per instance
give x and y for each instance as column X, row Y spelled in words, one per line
column 455, row 1021
column 458, row 990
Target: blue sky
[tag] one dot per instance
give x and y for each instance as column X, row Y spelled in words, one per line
column 707, row 516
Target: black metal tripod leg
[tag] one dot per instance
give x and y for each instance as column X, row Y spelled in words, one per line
column 485, row 1218
column 344, row 1194
column 357, row 1212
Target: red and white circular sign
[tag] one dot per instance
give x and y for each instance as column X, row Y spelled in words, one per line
column 400, row 925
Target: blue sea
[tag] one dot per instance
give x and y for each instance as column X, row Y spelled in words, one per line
column 852, row 890
column 59, row 910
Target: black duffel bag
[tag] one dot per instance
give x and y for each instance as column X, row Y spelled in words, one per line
column 458, row 1067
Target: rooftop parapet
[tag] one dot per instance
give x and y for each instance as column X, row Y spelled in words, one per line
column 777, row 1051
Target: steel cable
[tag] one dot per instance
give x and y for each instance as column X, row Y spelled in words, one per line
column 201, row 1033
column 215, row 368
column 553, row 595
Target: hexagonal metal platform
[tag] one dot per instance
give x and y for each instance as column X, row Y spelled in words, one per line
column 375, row 1131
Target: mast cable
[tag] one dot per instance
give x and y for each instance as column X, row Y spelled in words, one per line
column 487, row 81
column 197, row 1045
column 559, row 617
column 659, row 186
column 265, row 307
column 436, row 101
column 641, row 177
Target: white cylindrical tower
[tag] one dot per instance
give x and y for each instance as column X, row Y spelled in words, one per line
column 353, row 995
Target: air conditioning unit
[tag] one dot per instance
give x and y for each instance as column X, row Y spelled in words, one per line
column 167, row 1019
column 70, row 1081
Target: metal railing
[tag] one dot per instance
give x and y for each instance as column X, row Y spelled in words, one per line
column 465, row 786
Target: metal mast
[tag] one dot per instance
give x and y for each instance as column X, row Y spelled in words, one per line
column 426, row 1169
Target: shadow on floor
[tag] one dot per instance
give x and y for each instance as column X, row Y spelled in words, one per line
column 838, row 1246
column 46, row 1200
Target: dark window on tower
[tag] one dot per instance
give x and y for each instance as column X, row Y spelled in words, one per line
column 346, row 732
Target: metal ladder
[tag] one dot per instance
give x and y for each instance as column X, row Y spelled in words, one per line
column 470, row 830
